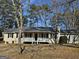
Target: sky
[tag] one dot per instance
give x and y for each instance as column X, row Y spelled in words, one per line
column 40, row 2
column 36, row 2
column 48, row 2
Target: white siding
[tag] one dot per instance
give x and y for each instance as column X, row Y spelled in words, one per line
column 32, row 39
column 27, row 39
column 5, row 37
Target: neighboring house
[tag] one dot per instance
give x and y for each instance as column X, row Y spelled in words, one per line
column 72, row 35
column 35, row 34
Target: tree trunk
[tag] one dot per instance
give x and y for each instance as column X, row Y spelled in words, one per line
column 19, row 21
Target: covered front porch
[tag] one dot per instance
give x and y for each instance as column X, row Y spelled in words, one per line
column 36, row 37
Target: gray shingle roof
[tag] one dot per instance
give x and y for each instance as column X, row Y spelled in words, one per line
column 32, row 29
column 40, row 29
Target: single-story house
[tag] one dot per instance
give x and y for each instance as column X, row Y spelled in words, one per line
column 71, row 34
column 35, row 34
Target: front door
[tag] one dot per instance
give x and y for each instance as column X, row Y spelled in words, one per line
column 36, row 36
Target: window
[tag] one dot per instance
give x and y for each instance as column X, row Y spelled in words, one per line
column 16, row 35
column 10, row 35
column 28, row 34
column 43, row 35
column 25, row 34
column 21, row 35
column 47, row 35
column 39, row 35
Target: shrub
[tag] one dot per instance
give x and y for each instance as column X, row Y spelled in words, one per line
column 63, row 40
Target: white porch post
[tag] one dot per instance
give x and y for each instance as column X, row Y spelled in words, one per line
column 37, row 37
column 5, row 38
column 32, row 37
column 49, row 37
column 58, row 35
column 22, row 39
column 14, row 36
